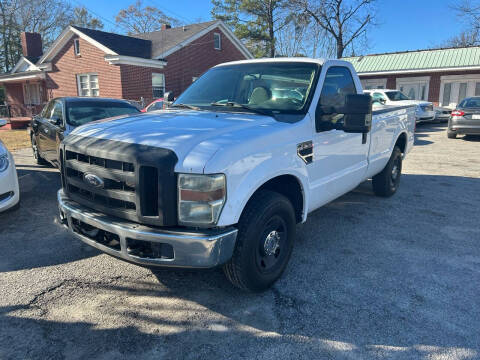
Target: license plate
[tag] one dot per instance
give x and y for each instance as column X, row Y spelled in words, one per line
column 476, row 117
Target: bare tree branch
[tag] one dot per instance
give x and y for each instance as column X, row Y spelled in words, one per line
column 344, row 20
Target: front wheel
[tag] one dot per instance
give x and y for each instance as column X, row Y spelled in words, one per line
column 36, row 155
column 266, row 232
column 386, row 183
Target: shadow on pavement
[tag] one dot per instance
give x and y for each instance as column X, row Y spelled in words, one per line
column 31, row 236
column 369, row 278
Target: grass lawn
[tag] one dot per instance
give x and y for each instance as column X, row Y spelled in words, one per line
column 15, row 139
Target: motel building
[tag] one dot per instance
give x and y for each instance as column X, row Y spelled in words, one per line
column 443, row 76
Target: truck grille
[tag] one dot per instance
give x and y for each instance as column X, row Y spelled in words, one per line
column 119, row 183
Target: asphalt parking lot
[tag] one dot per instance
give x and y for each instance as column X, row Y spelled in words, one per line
column 370, row 278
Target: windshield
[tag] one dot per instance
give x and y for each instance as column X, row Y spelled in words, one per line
column 396, row 96
column 82, row 112
column 270, row 87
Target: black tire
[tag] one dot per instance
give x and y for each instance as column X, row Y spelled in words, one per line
column 451, row 134
column 36, row 155
column 386, row 183
column 266, row 233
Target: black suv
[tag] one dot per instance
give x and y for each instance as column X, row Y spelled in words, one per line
column 61, row 115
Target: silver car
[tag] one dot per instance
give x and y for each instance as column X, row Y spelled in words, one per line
column 442, row 113
column 465, row 119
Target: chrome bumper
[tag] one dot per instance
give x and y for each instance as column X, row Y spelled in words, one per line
column 192, row 249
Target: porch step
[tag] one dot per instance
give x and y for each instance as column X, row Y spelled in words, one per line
column 16, row 123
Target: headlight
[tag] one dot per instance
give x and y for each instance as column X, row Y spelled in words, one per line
column 3, row 162
column 200, row 198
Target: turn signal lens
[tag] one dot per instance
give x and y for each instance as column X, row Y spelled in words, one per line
column 458, row 113
column 200, row 198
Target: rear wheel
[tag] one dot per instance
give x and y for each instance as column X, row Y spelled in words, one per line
column 451, row 134
column 36, row 155
column 266, row 232
column 387, row 182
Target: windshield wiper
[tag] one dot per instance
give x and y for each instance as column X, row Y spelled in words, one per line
column 246, row 107
column 185, row 106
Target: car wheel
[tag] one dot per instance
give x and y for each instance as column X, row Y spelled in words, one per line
column 451, row 134
column 386, row 183
column 36, row 155
column 266, row 233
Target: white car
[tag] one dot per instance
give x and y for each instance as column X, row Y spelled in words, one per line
column 9, row 190
column 223, row 176
column 423, row 109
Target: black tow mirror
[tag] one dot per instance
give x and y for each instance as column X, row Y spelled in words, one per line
column 169, row 96
column 357, row 113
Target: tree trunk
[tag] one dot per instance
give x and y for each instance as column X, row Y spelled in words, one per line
column 270, row 29
column 340, row 51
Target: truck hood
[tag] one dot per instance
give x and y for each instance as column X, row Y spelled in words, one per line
column 190, row 134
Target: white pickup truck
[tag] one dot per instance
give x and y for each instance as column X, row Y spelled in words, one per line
column 225, row 174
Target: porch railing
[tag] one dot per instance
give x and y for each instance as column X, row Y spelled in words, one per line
column 19, row 110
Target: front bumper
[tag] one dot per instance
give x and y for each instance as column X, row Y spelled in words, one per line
column 192, row 249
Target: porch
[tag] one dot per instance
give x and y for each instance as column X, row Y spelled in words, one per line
column 25, row 96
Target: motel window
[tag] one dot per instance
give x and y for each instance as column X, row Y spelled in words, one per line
column 217, row 41
column 462, row 91
column 88, row 85
column 447, row 89
column 158, row 85
column 477, row 89
column 76, row 46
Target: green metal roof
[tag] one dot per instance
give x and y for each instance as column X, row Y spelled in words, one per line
column 417, row 60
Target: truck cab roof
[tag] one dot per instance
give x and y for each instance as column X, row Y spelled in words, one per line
column 319, row 61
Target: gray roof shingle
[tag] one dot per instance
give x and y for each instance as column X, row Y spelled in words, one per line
column 121, row 44
column 164, row 40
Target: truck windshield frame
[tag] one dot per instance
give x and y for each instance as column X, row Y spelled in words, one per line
column 272, row 87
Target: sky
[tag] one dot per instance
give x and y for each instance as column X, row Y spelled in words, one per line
column 402, row 24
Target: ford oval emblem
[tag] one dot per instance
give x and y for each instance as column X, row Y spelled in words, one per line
column 93, row 180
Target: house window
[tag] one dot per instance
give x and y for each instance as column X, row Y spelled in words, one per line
column 88, row 85
column 158, row 85
column 217, row 41
column 76, row 46
column 32, row 94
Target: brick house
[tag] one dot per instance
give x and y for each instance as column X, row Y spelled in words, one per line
column 442, row 76
column 85, row 62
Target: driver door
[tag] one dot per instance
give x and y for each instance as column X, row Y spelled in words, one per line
column 53, row 131
column 340, row 158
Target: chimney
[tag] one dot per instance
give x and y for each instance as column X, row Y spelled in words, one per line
column 31, row 44
column 166, row 26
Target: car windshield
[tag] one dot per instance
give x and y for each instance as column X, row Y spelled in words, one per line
column 470, row 103
column 276, row 88
column 82, row 112
column 396, row 96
